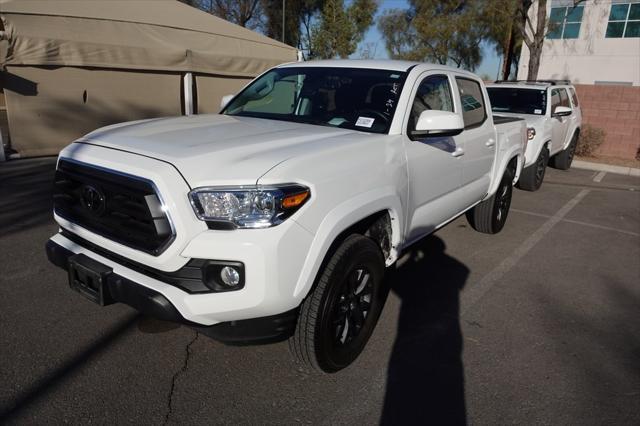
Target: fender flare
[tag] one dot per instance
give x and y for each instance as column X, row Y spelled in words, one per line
column 546, row 143
column 568, row 142
column 507, row 157
column 341, row 218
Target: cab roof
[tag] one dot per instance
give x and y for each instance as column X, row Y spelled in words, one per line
column 379, row 64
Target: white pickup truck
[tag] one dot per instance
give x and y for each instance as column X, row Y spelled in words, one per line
column 553, row 116
column 277, row 218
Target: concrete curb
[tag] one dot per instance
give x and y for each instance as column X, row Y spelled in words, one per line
column 629, row 171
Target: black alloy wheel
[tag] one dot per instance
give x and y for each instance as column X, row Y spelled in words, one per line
column 541, row 167
column 340, row 313
column 353, row 306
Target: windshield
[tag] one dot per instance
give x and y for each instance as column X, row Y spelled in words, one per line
column 351, row 98
column 519, row 101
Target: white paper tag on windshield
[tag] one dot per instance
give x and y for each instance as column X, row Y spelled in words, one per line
column 537, row 111
column 365, row 121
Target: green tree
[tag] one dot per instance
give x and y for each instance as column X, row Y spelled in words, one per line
column 246, row 13
column 339, row 29
column 308, row 15
column 399, row 34
column 273, row 20
column 503, row 32
column 442, row 31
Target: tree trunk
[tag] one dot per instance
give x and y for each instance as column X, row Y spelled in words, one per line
column 535, row 50
column 534, row 65
column 508, row 53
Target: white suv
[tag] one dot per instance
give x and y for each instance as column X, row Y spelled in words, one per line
column 552, row 112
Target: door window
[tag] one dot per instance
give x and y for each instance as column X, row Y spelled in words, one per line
column 434, row 93
column 555, row 99
column 564, row 98
column 473, row 109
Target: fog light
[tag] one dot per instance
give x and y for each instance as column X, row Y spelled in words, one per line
column 230, row 276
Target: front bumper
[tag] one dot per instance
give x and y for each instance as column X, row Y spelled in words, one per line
column 150, row 302
column 272, row 258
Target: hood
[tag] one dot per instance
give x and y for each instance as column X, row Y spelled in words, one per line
column 220, row 149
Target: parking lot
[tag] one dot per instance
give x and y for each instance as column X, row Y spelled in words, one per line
column 536, row 325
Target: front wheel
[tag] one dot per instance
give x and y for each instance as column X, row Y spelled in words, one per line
column 339, row 315
column 490, row 215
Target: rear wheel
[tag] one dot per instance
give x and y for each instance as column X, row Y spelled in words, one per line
column 532, row 177
column 339, row 315
column 564, row 159
column 490, row 215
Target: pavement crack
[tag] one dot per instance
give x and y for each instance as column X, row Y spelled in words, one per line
column 182, row 370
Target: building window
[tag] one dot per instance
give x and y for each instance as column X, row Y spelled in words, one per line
column 564, row 22
column 624, row 21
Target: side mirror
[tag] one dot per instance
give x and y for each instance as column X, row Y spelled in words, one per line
column 225, row 100
column 437, row 123
column 561, row 111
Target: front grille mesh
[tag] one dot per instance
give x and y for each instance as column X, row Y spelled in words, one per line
column 123, row 208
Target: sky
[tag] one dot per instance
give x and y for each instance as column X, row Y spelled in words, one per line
column 490, row 62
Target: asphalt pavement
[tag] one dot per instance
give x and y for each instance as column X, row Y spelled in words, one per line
column 536, row 325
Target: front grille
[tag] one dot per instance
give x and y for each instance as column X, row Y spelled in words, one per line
column 120, row 207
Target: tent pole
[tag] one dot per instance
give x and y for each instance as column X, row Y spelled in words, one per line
column 283, row 4
column 187, row 87
column 2, row 157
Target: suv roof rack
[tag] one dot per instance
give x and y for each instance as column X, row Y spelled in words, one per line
column 541, row 82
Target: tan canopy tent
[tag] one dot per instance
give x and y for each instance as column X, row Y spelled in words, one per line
column 72, row 66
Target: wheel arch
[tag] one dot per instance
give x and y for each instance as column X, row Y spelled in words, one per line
column 379, row 219
column 516, row 161
column 545, row 144
column 576, row 133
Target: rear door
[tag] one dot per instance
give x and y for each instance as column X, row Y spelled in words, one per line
column 478, row 138
column 559, row 125
column 434, row 163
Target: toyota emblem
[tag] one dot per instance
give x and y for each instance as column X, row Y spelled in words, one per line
column 92, row 200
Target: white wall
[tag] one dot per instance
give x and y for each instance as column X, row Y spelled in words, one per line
column 591, row 57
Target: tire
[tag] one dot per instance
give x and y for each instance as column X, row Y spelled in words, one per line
column 490, row 215
column 337, row 318
column 531, row 177
column 563, row 159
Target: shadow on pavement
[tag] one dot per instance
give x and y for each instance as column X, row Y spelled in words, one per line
column 56, row 377
column 425, row 383
column 150, row 325
column 26, row 194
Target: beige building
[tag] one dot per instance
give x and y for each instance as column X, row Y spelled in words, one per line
column 594, row 42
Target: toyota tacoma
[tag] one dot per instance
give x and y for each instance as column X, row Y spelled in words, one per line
column 277, row 218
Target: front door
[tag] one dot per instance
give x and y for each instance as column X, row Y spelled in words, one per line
column 434, row 163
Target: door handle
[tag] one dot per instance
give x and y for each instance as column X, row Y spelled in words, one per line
column 458, row 152
column 491, row 142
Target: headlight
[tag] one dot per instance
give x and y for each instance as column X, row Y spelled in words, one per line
column 247, row 207
column 531, row 133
